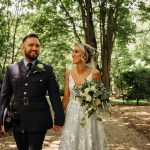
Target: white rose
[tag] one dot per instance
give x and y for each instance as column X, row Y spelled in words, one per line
column 84, row 94
column 93, row 88
column 88, row 98
column 87, row 90
column 81, row 93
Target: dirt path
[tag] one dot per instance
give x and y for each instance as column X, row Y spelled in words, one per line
column 120, row 137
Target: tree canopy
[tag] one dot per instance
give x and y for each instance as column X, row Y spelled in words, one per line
column 118, row 29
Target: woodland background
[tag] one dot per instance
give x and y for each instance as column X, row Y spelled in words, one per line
column 118, row 29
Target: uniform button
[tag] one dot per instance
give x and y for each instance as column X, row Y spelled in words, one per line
column 26, row 84
column 25, row 93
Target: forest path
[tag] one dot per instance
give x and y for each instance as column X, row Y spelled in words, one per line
column 119, row 135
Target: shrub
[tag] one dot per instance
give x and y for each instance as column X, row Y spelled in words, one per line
column 136, row 84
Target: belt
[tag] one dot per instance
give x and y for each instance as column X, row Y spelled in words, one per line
column 29, row 100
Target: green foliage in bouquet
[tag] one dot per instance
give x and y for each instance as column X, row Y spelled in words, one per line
column 94, row 99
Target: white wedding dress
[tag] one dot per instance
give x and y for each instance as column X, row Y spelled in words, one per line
column 76, row 137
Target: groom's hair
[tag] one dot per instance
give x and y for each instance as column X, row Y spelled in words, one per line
column 29, row 36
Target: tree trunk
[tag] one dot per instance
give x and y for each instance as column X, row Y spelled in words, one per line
column 14, row 40
column 87, row 21
column 108, row 19
column 137, row 102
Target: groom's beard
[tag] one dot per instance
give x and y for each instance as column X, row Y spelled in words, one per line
column 31, row 57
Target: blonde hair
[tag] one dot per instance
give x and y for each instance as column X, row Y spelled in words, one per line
column 89, row 53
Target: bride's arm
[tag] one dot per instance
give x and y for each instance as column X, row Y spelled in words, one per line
column 96, row 75
column 66, row 90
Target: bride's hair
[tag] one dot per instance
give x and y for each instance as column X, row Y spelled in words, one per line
column 90, row 53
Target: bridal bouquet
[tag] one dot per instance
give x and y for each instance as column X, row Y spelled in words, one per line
column 93, row 97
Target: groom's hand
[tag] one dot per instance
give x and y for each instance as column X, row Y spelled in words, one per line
column 3, row 132
column 2, row 129
column 57, row 128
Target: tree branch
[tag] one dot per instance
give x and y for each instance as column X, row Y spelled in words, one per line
column 72, row 21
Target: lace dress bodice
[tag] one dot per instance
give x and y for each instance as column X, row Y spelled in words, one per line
column 72, row 84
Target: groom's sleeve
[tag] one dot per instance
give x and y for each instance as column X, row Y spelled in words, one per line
column 5, row 95
column 54, row 94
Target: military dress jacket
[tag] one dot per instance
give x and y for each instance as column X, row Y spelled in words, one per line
column 29, row 97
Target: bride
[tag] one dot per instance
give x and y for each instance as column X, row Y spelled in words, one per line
column 74, row 136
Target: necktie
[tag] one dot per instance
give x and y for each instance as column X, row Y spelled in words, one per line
column 29, row 65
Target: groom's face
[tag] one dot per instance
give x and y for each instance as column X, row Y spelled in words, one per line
column 31, row 48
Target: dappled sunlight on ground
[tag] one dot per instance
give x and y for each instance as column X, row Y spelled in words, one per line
column 137, row 117
column 118, row 133
column 122, row 147
column 110, row 120
column 51, row 141
column 7, row 143
column 122, row 138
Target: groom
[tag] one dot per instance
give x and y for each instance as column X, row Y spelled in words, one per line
column 27, row 82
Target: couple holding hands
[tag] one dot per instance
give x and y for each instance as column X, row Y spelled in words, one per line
column 28, row 82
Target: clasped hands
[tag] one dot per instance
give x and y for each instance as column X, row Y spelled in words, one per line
column 57, row 128
column 2, row 131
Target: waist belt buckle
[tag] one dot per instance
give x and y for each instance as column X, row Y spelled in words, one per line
column 25, row 101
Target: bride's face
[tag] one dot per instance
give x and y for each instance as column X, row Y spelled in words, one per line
column 77, row 55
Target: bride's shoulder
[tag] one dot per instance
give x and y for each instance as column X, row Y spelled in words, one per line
column 96, row 74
